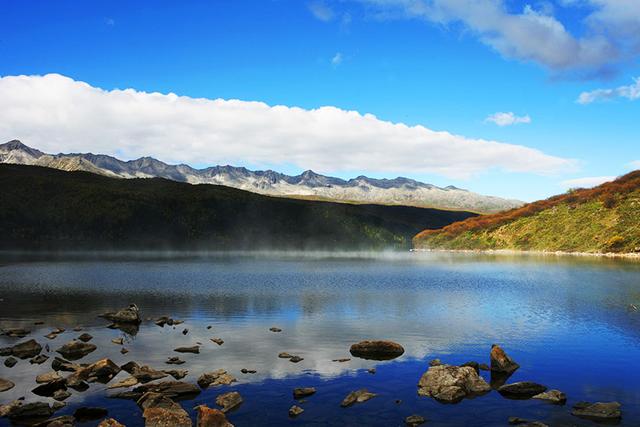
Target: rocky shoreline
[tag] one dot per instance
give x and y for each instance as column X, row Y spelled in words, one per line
column 158, row 392
column 631, row 255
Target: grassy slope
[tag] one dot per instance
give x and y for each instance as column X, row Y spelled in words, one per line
column 603, row 219
column 47, row 208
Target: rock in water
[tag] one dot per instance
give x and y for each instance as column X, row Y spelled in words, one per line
column 85, row 337
column 414, row 420
column 85, row 414
column 48, row 377
column 451, row 384
column 75, row 350
column 275, row 329
column 26, row 350
column 23, row 413
column 160, row 411
column 218, row 341
column 501, row 362
column 599, row 411
column 10, row 362
column 294, row 411
column 517, row 421
column 554, row 396
column 229, row 400
column 377, row 350
column 301, row 392
column 296, row 359
column 39, row 359
column 129, row 315
column 521, row 390
column 5, row 385
column 178, row 374
column 358, row 396
column 193, row 349
column 218, row 377
column 16, row 332
column 110, row 422
column 208, row 417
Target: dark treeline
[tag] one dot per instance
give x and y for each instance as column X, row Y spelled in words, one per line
column 43, row 208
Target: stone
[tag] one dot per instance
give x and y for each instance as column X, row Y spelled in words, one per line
column 343, row 360
column 75, row 350
column 39, row 359
column 435, row 362
column 124, row 351
column 161, row 417
column 414, row 420
column 525, row 423
column 26, row 350
column 371, row 370
column 501, row 362
column 193, row 349
column 521, row 390
column 217, row 341
column 61, row 395
column 16, row 332
column 598, row 411
column 274, row 329
column 10, row 362
column 185, row 331
column 5, row 385
column 376, row 350
column 125, row 383
column 175, row 360
column 85, row 337
column 130, row 315
column 484, row 367
column 21, row 412
column 110, row 422
column 553, row 396
column 285, row 355
column 208, row 417
column 294, row 411
column 118, row 341
column 171, row 389
column 214, row 378
column 451, row 384
column 474, row 365
column 229, row 400
column 59, row 364
column 301, row 392
column 63, row 421
column 177, row 373
column 248, row 371
column 48, row 389
column 358, row 396
column 165, row 320
column 48, row 377
column 102, row 371
column 296, row 359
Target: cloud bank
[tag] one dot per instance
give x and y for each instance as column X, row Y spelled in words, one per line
column 58, row 114
column 631, row 92
column 507, row 119
column 606, row 36
column 587, row 182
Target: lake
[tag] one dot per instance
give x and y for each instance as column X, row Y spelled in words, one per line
column 569, row 322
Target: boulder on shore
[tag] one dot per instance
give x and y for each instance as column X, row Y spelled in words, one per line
column 501, row 362
column 376, row 350
column 599, row 411
column 521, row 390
column 451, row 384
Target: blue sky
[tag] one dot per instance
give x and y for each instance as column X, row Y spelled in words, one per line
column 413, row 62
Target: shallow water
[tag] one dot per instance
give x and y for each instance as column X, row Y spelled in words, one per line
column 566, row 321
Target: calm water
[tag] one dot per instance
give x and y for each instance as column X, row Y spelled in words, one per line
column 567, row 321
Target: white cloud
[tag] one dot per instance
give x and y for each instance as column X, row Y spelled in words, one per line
column 337, row 59
column 635, row 164
column 58, row 114
column 631, row 92
column 587, row 182
column 507, row 119
column 321, row 11
column 608, row 35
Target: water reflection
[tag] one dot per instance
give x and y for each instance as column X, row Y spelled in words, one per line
column 560, row 318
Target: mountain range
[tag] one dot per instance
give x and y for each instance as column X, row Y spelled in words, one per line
column 308, row 185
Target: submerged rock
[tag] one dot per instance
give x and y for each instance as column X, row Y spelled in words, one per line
column 301, row 392
column 357, row 396
column 296, row 359
column 193, row 349
column 16, row 332
column 5, row 385
column 501, row 362
column 63, row 421
column 294, row 411
column 218, row 377
column 10, row 362
column 598, row 411
column 414, row 420
column 39, row 359
column 85, row 337
column 451, row 384
column 75, row 350
column 229, row 400
column 218, row 341
column 21, row 412
column 178, row 374
column 166, row 320
column 376, row 350
column 174, row 360
column 127, row 315
column 553, row 396
column 517, row 421
column 521, row 390
column 208, row 417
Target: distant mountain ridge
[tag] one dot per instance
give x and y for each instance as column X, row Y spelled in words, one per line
column 398, row 191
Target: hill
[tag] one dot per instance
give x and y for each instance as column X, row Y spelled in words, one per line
column 43, row 208
column 602, row 219
column 309, row 185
